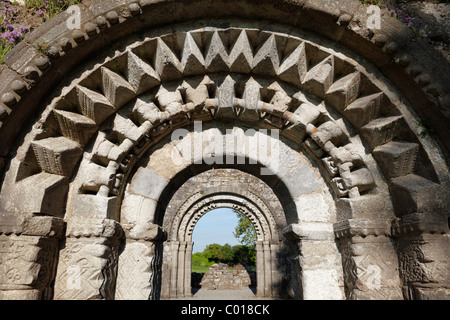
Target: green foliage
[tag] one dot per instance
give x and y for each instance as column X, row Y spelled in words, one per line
column 370, row 2
column 215, row 253
column 218, row 253
column 47, row 9
column 200, row 263
column 244, row 255
column 10, row 32
column 245, row 231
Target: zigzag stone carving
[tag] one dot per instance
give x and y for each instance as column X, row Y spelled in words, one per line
column 299, row 66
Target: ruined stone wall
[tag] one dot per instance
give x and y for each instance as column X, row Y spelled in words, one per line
column 224, row 277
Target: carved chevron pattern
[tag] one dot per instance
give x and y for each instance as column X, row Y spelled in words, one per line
column 233, row 65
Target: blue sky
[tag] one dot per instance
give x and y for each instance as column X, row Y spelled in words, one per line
column 216, row 226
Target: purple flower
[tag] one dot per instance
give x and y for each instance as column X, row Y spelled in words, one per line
column 40, row 12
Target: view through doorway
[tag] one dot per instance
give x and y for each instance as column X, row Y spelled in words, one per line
column 224, row 256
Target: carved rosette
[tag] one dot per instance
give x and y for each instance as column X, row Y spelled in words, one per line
column 28, row 253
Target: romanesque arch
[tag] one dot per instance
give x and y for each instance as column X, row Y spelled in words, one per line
column 201, row 195
column 96, row 159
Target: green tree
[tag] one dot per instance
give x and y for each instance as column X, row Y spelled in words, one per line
column 216, row 252
column 245, row 231
column 244, row 255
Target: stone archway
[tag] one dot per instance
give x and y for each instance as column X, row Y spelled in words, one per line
column 202, row 195
column 351, row 111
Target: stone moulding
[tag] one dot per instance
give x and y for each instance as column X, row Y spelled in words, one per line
column 390, row 50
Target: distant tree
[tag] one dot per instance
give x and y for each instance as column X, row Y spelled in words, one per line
column 244, row 255
column 199, row 259
column 216, row 252
column 245, row 231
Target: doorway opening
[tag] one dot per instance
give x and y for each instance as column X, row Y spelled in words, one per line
column 224, row 253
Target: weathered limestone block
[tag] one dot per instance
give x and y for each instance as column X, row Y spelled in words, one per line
column 148, row 183
column 425, row 266
column 413, row 193
column 369, row 260
column 140, row 74
column 241, row 55
column 28, row 254
column 367, row 206
column 344, row 91
column 44, row 192
column 117, row 90
column 167, row 64
column 294, row 68
column 319, row 260
column 135, row 271
column 216, row 57
column 320, row 77
column 57, row 155
column 94, row 105
column 75, row 126
column 267, row 60
column 192, row 61
column 93, row 206
column 396, row 158
column 363, row 110
column 87, row 267
column 381, row 130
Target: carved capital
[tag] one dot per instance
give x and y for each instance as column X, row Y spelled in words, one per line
column 361, row 228
column 28, row 251
column 420, row 223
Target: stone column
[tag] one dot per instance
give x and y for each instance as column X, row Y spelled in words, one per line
column 87, row 267
column 424, row 260
column 174, row 269
column 317, row 259
column 136, row 262
column 369, row 259
column 187, row 268
column 422, row 233
column 276, row 279
column 181, row 271
column 267, row 270
column 259, row 269
column 28, row 253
